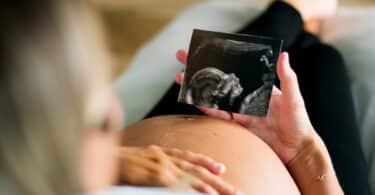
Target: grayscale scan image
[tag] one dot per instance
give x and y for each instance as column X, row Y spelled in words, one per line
column 231, row 72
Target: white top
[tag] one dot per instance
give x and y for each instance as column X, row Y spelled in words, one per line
column 143, row 191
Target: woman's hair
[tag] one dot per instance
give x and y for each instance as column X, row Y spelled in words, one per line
column 53, row 81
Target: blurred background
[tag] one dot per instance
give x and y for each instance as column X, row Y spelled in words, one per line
column 131, row 23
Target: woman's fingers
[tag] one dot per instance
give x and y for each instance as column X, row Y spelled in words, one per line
column 147, row 166
column 206, row 177
column 276, row 91
column 180, row 77
column 181, row 56
column 202, row 187
column 197, row 159
column 137, row 176
column 288, row 79
column 216, row 113
column 137, row 170
column 136, row 157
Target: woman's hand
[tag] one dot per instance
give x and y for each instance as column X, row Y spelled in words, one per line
column 286, row 128
column 156, row 166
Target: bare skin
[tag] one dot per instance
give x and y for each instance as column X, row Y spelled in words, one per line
column 314, row 9
column 294, row 141
column 286, row 124
column 288, row 131
column 104, row 162
column 167, row 167
column 313, row 12
column 251, row 164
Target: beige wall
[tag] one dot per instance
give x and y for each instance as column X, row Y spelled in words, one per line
column 131, row 23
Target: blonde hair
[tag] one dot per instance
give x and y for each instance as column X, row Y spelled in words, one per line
column 54, row 78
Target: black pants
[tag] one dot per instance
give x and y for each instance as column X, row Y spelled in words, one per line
column 325, row 88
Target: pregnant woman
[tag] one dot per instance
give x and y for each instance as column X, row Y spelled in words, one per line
column 325, row 93
column 281, row 150
column 59, row 120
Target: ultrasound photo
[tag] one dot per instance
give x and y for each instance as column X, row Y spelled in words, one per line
column 231, row 72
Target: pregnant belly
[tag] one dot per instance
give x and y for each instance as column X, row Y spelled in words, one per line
column 251, row 165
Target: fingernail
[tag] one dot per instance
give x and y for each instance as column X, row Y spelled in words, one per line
column 239, row 193
column 286, row 61
column 221, row 167
column 286, row 55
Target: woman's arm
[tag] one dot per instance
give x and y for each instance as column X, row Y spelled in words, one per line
column 288, row 131
column 313, row 171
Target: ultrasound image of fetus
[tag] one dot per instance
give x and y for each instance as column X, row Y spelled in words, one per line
column 257, row 101
column 230, row 72
column 212, row 87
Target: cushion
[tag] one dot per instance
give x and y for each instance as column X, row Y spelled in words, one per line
column 128, row 190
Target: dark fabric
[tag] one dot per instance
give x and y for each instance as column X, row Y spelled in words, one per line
column 325, row 88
